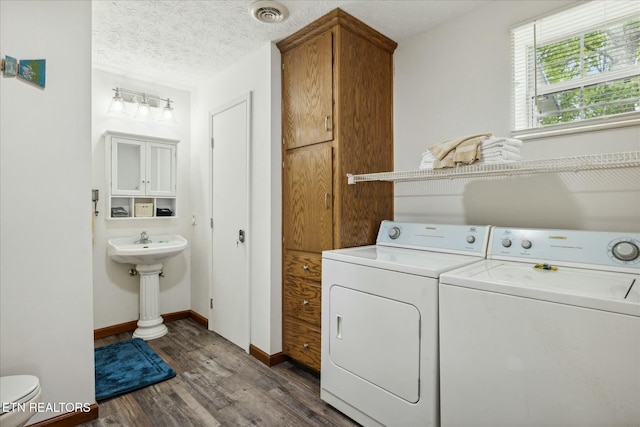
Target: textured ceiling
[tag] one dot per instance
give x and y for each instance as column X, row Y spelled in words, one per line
column 182, row 42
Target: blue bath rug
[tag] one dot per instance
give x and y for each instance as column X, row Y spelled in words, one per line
column 126, row 366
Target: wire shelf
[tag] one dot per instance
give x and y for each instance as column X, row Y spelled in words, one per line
column 567, row 164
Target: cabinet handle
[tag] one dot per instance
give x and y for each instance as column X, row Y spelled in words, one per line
column 305, row 346
column 326, row 200
column 326, row 123
column 305, row 267
column 305, row 302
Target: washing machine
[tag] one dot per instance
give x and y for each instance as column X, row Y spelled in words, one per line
column 380, row 321
column 545, row 332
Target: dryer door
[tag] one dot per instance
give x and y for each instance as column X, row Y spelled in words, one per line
column 367, row 335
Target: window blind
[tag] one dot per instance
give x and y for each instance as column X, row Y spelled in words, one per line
column 577, row 65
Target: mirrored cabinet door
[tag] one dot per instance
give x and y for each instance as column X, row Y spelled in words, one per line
column 127, row 167
column 161, row 174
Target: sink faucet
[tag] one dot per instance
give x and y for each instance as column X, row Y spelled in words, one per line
column 144, row 238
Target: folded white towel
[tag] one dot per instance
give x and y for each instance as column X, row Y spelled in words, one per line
column 501, row 155
column 499, row 147
column 427, row 155
column 495, row 161
column 426, row 165
column 427, row 160
column 494, row 140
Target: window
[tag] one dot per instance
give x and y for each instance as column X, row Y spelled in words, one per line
column 577, row 67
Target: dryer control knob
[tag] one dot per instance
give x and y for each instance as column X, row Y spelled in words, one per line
column 526, row 244
column 506, row 243
column 471, row 239
column 394, row 233
column 625, row 251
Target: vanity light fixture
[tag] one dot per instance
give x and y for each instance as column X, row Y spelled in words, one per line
column 146, row 104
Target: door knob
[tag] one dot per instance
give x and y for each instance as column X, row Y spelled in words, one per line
column 241, row 236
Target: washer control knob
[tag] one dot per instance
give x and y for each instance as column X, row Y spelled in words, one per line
column 506, row 243
column 394, row 233
column 471, row 239
column 526, row 244
column 625, row 251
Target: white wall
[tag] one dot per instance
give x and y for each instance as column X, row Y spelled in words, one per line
column 45, row 180
column 454, row 81
column 116, row 293
column 258, row 73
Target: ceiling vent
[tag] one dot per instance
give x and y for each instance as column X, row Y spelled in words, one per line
column 268, row 11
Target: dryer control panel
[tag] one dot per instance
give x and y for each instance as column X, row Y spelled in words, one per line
column 463, row 239
column 601, row 249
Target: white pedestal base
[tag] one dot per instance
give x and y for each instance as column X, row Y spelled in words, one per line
column 150, row 324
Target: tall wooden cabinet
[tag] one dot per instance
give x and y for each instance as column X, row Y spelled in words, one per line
column 337, row 118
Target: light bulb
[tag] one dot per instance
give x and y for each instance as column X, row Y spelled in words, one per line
column 143, row 108
column 167, row 115
column 117, row 104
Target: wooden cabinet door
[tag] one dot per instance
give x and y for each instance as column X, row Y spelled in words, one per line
column 307, row 199
column 307, row 92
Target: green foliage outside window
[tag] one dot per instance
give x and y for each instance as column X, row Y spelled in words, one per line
column 583, row 56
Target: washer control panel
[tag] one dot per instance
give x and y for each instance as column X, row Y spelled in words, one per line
column 600, row 248
column 471, row 239
column 625, row 250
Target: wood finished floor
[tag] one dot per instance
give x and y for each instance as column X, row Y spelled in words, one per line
column 218, row 384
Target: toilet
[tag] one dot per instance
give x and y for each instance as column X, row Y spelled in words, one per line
column 19, row 395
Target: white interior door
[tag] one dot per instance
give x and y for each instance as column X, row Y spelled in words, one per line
column 229, row 312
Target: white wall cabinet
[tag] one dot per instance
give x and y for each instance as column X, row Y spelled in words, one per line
column 141, row 175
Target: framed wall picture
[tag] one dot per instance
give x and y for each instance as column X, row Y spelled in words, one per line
column 10, row 66
column 33, row 70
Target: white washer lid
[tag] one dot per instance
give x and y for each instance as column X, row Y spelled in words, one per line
column 600, row 290
column 18, row 388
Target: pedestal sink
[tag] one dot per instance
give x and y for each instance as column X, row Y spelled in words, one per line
column 147, row 257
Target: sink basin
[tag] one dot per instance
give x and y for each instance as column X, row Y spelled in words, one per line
column 160, row 247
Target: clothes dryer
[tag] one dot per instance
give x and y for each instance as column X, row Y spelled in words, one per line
column 545, row 332
column 380, row 321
